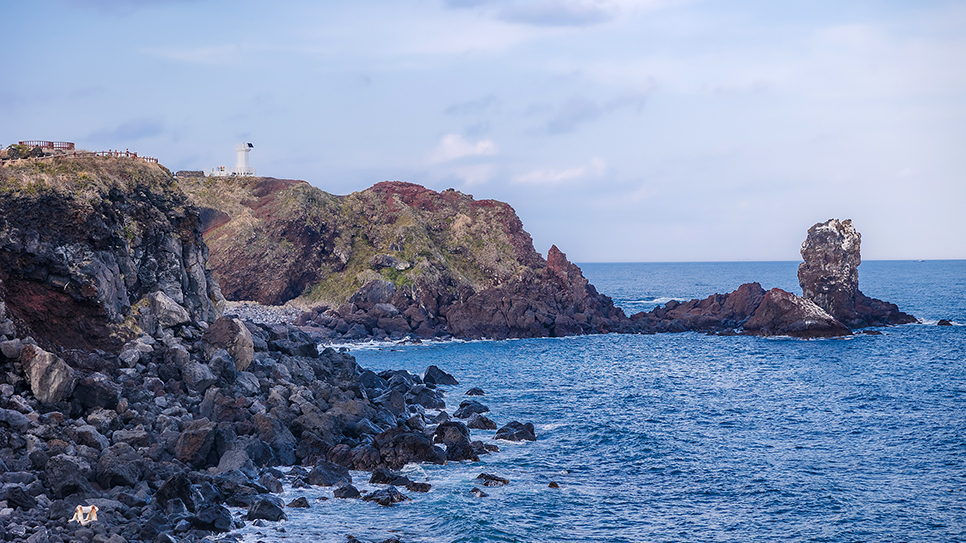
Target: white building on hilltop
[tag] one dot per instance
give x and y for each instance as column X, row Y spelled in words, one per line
column 241, row 164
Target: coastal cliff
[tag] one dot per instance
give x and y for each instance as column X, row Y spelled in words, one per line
column 122, row 388
column 85, row 241
column 394, row 260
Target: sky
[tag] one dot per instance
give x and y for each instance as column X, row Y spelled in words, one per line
column 619, row 130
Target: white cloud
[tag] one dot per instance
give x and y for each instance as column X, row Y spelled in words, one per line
column 549, row 176
column 454, row 146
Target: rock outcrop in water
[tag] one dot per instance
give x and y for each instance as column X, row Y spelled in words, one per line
column 831, row 305
column 394, row 260
column 829, row 277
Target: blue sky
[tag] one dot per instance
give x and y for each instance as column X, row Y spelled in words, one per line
column 620, row 130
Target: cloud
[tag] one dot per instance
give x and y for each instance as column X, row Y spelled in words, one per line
column 128, row 131
column 547, row 176
column 579, row 110
column 572, row 113
column 471, row 107
column 454, row 146
column 557, row 13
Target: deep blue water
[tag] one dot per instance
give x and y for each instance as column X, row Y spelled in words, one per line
column 688, row 437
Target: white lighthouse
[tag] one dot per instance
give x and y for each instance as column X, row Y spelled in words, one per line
column 241, row 164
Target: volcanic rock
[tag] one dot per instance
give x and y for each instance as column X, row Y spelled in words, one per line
column 267, row 508
column 51, row 379
column 829, row 277
column 516, row 431
column 783, row 313
column 233, row 336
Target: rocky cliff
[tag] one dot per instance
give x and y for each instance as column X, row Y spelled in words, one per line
column 393, row 260
column 91, row 249
column 121, row 388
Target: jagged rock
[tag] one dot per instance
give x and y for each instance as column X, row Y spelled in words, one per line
column 478, row 493
column 380, row 261
column 397, row 447
column 15, row 420
column 829, row 277
column 300, row 503
column 479, row 422
column 97, row 390
column 468, row 408
column 16, row 496
column 516, row 431
column 437, row 376
column 783, row 313
column 492, row 480
column 385, row 497
column 195, row 442
column 347, row 492
column 212, row 517
column 119, row 465
column 944, row 322
column 167, row 311
column 326, row 473
column 88, row 436
column 67, row 475
column 233, row 336
column 176, row 487
column 51, row 379
column 475, row 392
column 267, row 508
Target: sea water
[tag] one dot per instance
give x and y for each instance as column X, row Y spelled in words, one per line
column 690, row 437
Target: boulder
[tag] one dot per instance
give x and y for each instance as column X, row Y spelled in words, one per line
column 97, row 390
column 489, row 479
column 195, row 443
column 51, row 379
column 299, row 503
column 176, row 487
column 451, row 432
column 439, row 377
column 326, row 473
column 232, row 335
column 267, row 508
column 167, row 311
column 398, row 447
column 14, row 419
column 475, row 392
column 347, row 492
column 516, row 431
column 119, row 465
column 783, row 313
column 213, row 518
column 385, row 497
column 468, row 408
column 67, row 475
column 479, row 422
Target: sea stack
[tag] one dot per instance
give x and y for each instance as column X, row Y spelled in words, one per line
column 829, row 277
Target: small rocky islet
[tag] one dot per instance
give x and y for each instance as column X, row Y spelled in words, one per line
column 124, row 386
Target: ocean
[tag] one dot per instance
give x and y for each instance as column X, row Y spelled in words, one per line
column 689, row 437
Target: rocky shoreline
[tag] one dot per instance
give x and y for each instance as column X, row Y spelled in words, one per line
column 164, row 437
